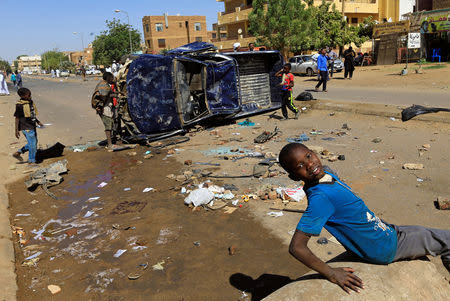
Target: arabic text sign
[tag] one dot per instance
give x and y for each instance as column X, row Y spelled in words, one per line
column 414, row 40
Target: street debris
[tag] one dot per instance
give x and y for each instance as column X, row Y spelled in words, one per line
column 48, row 176
column 302, row 138
column 377, row 140
column 443, row 203
column 54, row 289
column 198, row 197
column 246, row 122
column 275, row 213
column 266, row 136
column 232, row 250
column 102, row 184
column 148, row 189
column 415, row 110
column 129, row 207
column 159, row 266
column 119, row 253
column 413, row 166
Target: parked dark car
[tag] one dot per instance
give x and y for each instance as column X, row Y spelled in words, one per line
column 194, row 83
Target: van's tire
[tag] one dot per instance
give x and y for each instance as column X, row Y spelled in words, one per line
column 309, row 72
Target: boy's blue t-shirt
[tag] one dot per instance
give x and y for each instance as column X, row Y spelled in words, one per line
column 334, row 206
column 322, row 62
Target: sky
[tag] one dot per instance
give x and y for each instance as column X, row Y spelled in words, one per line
column 32, row 27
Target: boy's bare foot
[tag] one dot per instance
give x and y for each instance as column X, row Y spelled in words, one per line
column 18, row 156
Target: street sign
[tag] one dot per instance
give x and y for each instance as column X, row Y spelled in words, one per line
column 413, row 40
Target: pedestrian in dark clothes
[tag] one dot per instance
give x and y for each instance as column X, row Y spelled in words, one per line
column 287, row 83
column 349, row 62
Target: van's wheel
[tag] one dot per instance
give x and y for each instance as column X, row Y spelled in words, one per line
column 309, row 72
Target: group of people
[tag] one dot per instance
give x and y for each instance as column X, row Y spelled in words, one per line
column 16, row 79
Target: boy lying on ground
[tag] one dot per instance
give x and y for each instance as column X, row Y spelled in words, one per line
column 333, row 205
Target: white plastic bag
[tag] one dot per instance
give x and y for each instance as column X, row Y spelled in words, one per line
column 296, row 194
column 201, row 196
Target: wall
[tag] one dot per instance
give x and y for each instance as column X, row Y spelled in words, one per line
column 440, row 4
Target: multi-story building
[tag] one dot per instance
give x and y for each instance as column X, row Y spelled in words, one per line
column 168, row 32
column 79, row 58
column 29, row 63
column 235, row 17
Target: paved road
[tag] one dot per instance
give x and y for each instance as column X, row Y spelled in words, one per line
column 390, row 96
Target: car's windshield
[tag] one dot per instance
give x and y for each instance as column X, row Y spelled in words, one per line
column 306, row 58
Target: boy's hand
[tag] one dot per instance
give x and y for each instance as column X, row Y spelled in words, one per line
column 17, row 134
column 345, row 278
column 40, row 123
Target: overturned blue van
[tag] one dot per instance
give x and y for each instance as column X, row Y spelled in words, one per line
column 193, row 83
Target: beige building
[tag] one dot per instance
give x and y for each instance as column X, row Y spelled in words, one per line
column 29, row 63
column 441, row 4
column 79, row 58
column 235, row 17
column 168, row 32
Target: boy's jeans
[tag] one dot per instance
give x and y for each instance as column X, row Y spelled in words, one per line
column 31, row 146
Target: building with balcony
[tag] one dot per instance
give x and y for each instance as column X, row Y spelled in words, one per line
column 234, row 19
column 168, row 32
column 29, row 63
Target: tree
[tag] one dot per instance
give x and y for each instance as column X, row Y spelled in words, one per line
column 284, row 25
column 365, row 29
column 5, row 66
column 53, row 59
column 114, row 42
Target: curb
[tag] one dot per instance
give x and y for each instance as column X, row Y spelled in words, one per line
column 381, row 110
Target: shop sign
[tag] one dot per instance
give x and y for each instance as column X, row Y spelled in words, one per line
column 440, row 21
column 414, row 40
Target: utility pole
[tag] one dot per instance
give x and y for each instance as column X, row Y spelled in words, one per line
column 129, row 28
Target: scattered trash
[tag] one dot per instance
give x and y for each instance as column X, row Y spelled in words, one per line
column 235, row 202
column 188, row 162
column 31, row 262
column 159, row 266
column 393, row 119
column 415, row 110
column 35, row 255
column 148, row 189
column 119, row 253
column 183, row 190
column 333, row 158
column 373, row 151
column 232, row 250
column 48, row 176
column 316, row 132
column 127, row 189
column 345, row 127
column 54, row 289
column 329, row 139
column 297, row 194
column 89, row 214
column 94, row 198
column 275, row 213
column 229, row 210
column 230, row 187
column 216, row 205
column 131, row 154
column 71, row 232
column 377, row 140
column 206, row 163
column 201, row 196
column 148, row 152
column 341, row 157
column 266, row 136
column 322, row 241
column 102, row 184
column 302, row 138
column 22, row 214
column 443, row 203
column 197, row 243
column 413, row 166
column 246, row 122
column 129, row 207
column 133, row 276
column 419, row 180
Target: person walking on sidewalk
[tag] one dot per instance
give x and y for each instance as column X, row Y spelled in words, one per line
column 349, row 62
column 333, row 56
column 287, row 83
column 3, row 85
column 18, row 80
column 322, row 67
column 13, row 79
column 26, row 121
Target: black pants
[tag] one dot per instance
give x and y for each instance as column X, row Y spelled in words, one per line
column 287, row 101
column 331, row 68
column 348, row 71
column 323, row 80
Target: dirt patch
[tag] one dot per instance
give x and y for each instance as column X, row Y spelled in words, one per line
column 178, row 253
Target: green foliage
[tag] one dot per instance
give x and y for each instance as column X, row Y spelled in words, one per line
column 285, row 25
column 365, row 29
column 5, row 66
column 69, row 66
column 53, row 59
column 297, row 25
column 114, row 42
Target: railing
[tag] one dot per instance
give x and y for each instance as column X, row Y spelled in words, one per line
column 236, row 9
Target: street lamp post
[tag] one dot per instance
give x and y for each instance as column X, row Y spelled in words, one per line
column 82, row 44
column 129, row 29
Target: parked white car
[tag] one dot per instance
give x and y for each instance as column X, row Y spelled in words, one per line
column 307, row 64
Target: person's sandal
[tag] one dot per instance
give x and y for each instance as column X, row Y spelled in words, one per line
column 18, row 156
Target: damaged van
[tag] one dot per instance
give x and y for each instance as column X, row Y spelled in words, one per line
column 193, row 83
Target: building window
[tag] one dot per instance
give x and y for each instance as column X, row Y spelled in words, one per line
column 149, row 44
column 147, row 28
column 162, row 43
column 223, row 35
column 354, row 20
column 180, row 24
column 197, row 26
column 198, row 39
column 159, row 26
column 214, row 35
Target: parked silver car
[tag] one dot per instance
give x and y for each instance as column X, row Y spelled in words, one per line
column 307, row 64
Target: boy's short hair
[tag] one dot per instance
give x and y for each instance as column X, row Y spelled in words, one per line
column 288, row 65
column 23, row 91
column 286, row 153
column 107, row 75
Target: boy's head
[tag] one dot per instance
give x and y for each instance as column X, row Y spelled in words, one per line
column 24, row 93
column 108, row 77
column 287, row 67
column 323, row 51
column 301, row 163
column 251, row 46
